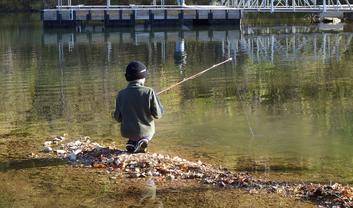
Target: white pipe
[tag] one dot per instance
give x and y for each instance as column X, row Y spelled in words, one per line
column 272, row 9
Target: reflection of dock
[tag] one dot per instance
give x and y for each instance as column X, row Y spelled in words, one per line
column 141, row 37
column 290, row 43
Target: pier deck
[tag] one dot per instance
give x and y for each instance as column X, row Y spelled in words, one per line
column 131, row 15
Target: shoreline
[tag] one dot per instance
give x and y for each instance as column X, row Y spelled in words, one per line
column 32, row 11
column 262, row 189
column 83, row 153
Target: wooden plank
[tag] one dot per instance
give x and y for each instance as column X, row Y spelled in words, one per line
column 97, row 14
column 190, row 14
column 173, row 14
column 219, row 14
column 233, row 14
column 158, row 14
column 203, row 14
column 81, row 14
column 114, row 14
column 142, row 15
column 66, row 14
column 126, row 14
column 49, row 15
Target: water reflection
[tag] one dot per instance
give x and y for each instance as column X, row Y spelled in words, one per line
column 180, row 55
column 291, row 84
column 149, row 197
column 262, row 44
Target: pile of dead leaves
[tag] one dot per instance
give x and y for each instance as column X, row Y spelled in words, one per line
column 85, row 153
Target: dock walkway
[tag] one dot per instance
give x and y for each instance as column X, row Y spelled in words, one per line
column 131, row 15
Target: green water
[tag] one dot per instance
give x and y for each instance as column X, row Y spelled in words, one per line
column 282, row 107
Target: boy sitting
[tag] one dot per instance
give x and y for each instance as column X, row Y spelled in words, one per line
column 136, row 108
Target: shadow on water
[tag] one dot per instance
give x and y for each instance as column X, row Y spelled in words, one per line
column 30, row 163
column 252, row 165
column 50, row 162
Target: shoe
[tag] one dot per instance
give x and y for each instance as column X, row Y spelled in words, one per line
column 130, row 146
column 141, row 146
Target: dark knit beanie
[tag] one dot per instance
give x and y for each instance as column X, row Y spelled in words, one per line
column 135, row 70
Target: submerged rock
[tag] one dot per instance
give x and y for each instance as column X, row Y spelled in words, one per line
column 47, row 149
column 61, row 153
column 59, row 139
column 84, row 153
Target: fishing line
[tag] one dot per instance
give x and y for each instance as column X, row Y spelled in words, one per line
column 204, row 71
column 193, row 76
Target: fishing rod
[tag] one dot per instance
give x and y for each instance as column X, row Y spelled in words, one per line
column 193, row 76
column 199, row 74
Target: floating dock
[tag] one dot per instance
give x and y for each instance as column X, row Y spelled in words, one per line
column 67, row 16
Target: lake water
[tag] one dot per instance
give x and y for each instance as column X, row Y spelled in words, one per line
column 284, row 104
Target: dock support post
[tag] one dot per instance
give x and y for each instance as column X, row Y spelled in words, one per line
column 89, row 16
column 133, row 17
column 58, row 16
column 108, row 3
column 106, row 17
column 74, row 15
column 325, row 8
column 272, row 9
column 151, row 16
column 210, row 16
column 181, row 17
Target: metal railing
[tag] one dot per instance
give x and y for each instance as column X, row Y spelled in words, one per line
column 246, row 5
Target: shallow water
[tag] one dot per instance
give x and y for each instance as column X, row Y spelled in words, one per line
column 283, row 106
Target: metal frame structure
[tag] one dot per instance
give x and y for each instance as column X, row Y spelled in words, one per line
column 290, row 5
column 251, row 5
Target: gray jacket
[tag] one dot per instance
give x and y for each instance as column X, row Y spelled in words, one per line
column 136, row 108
